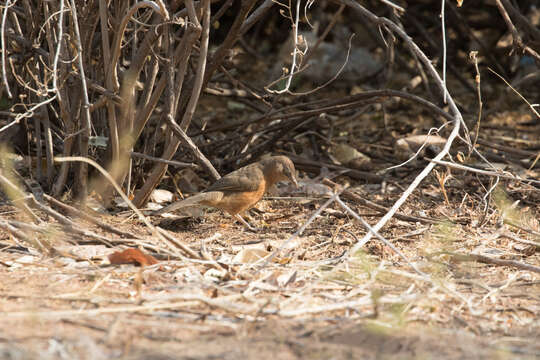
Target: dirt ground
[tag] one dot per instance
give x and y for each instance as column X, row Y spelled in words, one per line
column 310, row 302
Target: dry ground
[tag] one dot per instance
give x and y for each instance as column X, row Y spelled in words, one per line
column 309, row 302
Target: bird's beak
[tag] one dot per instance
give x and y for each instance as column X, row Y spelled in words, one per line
column 294, row 181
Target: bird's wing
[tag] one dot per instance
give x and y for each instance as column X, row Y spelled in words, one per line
column 248, row 178
column 210, row 199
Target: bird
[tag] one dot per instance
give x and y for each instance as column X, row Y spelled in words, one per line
column 241, row 189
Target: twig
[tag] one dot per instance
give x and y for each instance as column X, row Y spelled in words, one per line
column 234, row 33
column 484, row 172
column 6, row 6
column 28, row 113
column 517, row 92
column 17, row 196
column 87, row 217
column 507, row 149
column 518, row 42
column 522, row 20
column 349, row 194
column 293, row 70
column 325, row 33
column 493, row 261
column 379, row 236
column 87, row 120
column 520, row 227
column 329, row 81
column 31, row 241
column 119, row 35
column 477, row 80
column 205, row 163
column 58, row 48
column 180, row 60
column 457, row 121
column 315, row 166
column 188, row 300
column 206, row 256
column 511, row 236
column 256, row 15
column 300, row 231
column 179, row 244
column 332, row 105
column 201, row 67
column 168, row 162
column 120, row 192
column 443, row 29
column 392, row 5
column 419, row 151
column 69, row 225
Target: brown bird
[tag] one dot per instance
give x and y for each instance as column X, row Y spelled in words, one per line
column 242, row 189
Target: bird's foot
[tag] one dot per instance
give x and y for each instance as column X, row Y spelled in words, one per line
column 254, row 229
column 246, row 224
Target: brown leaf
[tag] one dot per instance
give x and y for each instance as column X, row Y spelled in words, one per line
column 132, row 256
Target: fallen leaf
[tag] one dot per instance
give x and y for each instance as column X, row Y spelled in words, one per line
column 249, row 256
column 349, row 156
column 132, row 256
column 160, row 196
column 406, row 147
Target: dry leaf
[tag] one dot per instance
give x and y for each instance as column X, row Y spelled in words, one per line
column 132, row 256
column 160, row 196
column 349, row 156
column 406, row 147
column 248, row 256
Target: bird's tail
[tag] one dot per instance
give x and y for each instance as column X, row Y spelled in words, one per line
column 208, row 198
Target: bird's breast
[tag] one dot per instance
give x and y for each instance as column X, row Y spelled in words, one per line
column 237, row 202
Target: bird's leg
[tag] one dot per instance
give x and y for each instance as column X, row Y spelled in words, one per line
column 241, row 219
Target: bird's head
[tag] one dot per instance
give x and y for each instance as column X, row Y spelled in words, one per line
column 281, row 168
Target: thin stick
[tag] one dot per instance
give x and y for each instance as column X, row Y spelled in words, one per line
column 84, row 137
column 457, row 121
column 379, row 236
column 517, row 92
column 392, row 5
column 301, row 230
column 201, row 67
column 202, row 159
column 31, row 241
column 189, row 300
column 489, row 260
column 349, row 194
column 87, row 217
column 120, row 192
column 168, row 162
column 443, row 29
column 179, row 244
column 293, row 70
column 484, row 172
column 477, row 81
column 4, row 73
column 517, row 41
